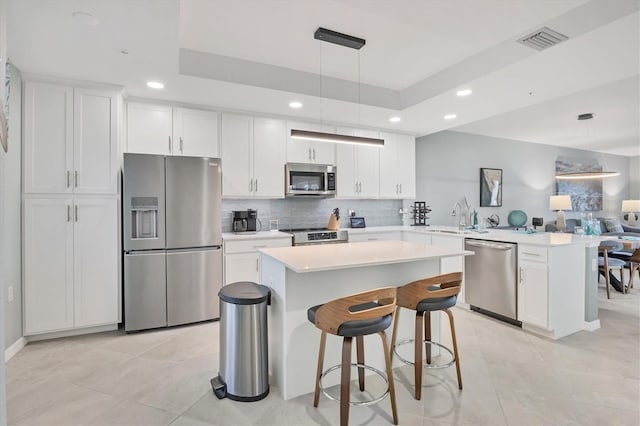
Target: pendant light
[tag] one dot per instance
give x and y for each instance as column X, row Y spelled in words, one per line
column 587, row 174
column 352, row 42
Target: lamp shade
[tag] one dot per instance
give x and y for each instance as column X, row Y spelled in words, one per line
column 630, row 206
column 560, row 202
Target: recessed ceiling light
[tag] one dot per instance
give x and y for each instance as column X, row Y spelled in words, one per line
column 155, row 85
column 450, row 116
column 85, row 18
column 464, row 92
column 395, row 119
column 295, row 104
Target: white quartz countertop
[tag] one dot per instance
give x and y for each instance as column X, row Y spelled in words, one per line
column 231, row 236
column 326, row 257
column 548, row 239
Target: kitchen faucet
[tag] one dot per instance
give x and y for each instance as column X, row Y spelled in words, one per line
column 456, row 213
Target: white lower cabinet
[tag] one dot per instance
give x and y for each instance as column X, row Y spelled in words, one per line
column 70, row 263
column 533, row 293
column 451, row 264
column 242, row 259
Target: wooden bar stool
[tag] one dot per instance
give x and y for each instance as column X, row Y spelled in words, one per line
column 606, row 264
column 425, row 296
column 356, row 316
column 634, row 266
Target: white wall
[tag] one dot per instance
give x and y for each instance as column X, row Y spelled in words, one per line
column 448, row 169
column 3, row 229
column 10, row 170
column 634, row 178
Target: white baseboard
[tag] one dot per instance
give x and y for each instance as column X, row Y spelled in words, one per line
column 73, row 332
column 591, row 325
column 14, row 349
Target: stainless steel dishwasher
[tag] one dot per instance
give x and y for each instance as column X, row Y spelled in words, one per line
column 490, row 279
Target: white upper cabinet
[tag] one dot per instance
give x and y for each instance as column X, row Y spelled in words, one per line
column 70, row 140
column 164, row 130
column 269, row 157
column 236, row 138
column 195, row 133
column 149, row 128
column 358, row 166
column 397, row 166
column 95, row 142
column 253, row 156
column 309, row 151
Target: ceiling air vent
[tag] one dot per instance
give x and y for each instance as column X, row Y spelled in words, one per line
column 543, row 38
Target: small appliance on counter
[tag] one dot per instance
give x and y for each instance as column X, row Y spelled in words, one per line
column 245, row 221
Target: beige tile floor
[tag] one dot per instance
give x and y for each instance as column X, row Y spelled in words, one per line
column 510, row 377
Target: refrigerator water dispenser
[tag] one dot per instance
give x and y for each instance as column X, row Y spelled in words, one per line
column 144, row 217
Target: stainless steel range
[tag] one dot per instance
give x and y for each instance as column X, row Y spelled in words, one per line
column 309, row 236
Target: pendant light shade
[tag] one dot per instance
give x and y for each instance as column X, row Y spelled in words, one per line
column 352, row 42
column 335, row 138
column 587, row 174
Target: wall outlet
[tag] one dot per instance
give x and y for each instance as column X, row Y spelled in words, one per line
column 10, row 294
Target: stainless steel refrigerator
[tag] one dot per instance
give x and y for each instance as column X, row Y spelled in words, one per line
column 172, row 240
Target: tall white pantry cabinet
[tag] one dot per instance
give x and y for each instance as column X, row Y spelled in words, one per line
column 70, row 207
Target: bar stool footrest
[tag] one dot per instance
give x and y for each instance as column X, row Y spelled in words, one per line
column 356, row 403
column 425, row 365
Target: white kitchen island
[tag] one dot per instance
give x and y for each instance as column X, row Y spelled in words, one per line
column 305, row 276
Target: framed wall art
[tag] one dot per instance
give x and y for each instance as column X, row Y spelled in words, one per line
column 490, row 187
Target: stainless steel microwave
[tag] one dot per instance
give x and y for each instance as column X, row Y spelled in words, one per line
column 312, row 180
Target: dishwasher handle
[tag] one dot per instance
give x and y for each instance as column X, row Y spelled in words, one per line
column 490, row 245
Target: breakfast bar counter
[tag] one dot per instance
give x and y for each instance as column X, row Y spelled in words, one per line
column 305, row 276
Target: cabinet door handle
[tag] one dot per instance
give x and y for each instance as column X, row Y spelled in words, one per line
column 355, row 187
column 250, row 185
column 360, row 187
column 68, row 178
column 314, row 154
column 257, row 265
column 309, row 153
column 75, row 179
column 180, row 144
column 76, row 212
column 397, row 188
column 531, row 254
column 68, row 213
column 401, row 188
column 256, row 186
column 169, row 144
column 521, row 276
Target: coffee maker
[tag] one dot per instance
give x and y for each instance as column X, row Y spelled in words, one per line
column 252, row 220
column 244, row 220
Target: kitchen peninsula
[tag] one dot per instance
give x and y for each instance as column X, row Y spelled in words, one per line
column 304, row 276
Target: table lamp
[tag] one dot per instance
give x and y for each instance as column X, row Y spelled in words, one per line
column 560, row 203
column 631, row 206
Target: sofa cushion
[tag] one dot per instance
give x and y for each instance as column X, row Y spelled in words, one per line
column 613, row 225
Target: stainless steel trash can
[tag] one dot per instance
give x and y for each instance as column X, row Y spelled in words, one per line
column 244, row 358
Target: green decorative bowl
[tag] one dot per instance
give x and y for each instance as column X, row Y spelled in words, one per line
column 517, row 218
